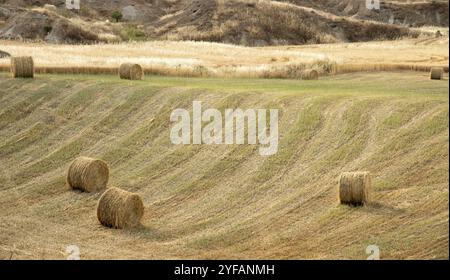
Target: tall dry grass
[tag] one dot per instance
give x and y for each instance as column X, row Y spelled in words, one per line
column 351, row 68
column 203, row 59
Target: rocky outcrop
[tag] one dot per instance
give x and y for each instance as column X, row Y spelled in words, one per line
column 38, row 25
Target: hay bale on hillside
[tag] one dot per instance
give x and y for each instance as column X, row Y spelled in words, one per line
column 120, row 209
column 130, row 71
column 354, row 188
column 22, row 67
column 310, row 74
column 437, row 73
column 88, row 174
column 4, row 54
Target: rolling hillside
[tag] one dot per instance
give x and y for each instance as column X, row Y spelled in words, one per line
column 242, row 22
column 227, row 201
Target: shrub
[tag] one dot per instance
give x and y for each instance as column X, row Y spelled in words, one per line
column 132, row 33
column 117, row 16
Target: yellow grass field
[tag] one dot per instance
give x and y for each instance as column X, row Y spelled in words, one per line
column 220, row 60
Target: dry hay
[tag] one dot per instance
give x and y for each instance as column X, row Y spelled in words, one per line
column 354, row 188
column 120, row 209
column 4, row 54
column 22, row 67
column 88, row 174
column 50, row 7
column 130, row 71
column 436, row 73
column 310, row 74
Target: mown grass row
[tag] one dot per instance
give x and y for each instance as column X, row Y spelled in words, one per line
column 273, row 72
column 225, row 201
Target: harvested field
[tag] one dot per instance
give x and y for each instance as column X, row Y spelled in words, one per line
column 201, row 59
column 222, row 202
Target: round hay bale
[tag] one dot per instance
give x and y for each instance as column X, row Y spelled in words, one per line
column 120, row 209
column 88, row 174
column 4, row 54
column 130, row 71
column 354, row 188
column 310, row 74
column 22, row 67
column 437, row 73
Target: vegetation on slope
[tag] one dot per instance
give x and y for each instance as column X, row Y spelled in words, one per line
column 243, row 22
column 227, row 201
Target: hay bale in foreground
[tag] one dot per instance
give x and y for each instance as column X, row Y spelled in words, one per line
column 354, row 188
column 130, row 71
column 437, row 73
column 120, row 209
column 88, row 174
column 310, row 74
column 22, row 67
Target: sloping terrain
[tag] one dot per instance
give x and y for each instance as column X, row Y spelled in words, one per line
column 410, row 13
column 243, row 22
column 47, row 26
column 224, row 201
column 267, row 23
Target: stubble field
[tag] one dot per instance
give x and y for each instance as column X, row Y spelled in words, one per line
column 227, row 201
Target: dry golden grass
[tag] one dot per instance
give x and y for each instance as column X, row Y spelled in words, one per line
column 201, row 59
column 414, row 54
